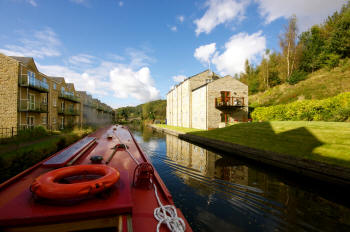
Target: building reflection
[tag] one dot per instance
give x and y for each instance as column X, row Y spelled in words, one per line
column 204, row 162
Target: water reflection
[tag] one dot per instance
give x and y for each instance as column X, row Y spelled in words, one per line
column 220, row 193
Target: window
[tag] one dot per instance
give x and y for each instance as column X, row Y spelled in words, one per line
column 30, row 121
column 224, row 117
column 54, row 102
column 31, row 101
column 31, row 77
column 45, row 100
column 44, row 120
column 53, row 120
column 54, row 86
column 62, row 106
column 62, row 123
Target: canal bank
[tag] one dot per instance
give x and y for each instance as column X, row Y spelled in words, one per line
column 324, row 172
column 222, row 192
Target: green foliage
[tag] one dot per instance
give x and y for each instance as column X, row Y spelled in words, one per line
column 26, row 135
column 330, row 109
column 14, row 162
column 322, row 46
column 296, row 77
column 154, row 110
column 321, row 84
column 148, row 111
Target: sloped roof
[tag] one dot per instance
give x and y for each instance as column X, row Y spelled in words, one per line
column 24, row 60
column 27, row 61
column 58, row 79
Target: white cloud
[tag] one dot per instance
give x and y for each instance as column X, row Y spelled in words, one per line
column 308, row 12
column 174, row 28
column 181, row 18
column 32, row 2
column 203, row 53
column 239, row 48
column 38, row 44
column 138, row 58
column 121, row 3
column 179, row 78
column 220, row 11
column 83, row 81
column 137, row 84
column 81, row 59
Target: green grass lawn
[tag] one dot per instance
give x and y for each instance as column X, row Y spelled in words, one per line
column 327, row 142
column 177, row 128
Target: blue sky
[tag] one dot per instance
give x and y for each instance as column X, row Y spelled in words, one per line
column 129, row 52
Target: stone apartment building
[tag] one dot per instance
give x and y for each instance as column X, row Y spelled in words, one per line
column 206, row 101
column 29, row 98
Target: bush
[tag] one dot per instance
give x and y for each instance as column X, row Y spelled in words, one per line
column 331, row 109
column 296, row 77
column 16, row 161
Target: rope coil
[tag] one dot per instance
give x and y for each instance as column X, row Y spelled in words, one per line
column 167, row 214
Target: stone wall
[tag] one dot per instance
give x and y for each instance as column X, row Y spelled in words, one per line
column 237, row 89
column 179, row 100
column 199, row 108
column 8, row 91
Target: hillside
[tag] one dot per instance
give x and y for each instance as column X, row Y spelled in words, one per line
column 318, row 85
column 149, row 110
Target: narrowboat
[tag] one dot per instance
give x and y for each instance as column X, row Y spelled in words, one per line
column 103, row 182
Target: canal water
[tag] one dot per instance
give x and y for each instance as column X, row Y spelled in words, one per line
column 217, row 192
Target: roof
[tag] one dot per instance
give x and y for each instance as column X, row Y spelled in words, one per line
column 58, row 79
column 24, row 60
column 188, row 79
column 27, row 61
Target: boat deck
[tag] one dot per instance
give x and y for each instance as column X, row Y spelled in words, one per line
column 122, row 207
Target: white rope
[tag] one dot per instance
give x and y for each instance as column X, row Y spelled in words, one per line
column 168, row 215
column 164, row 214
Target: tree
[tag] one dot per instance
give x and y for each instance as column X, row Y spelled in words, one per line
column 267, row 53
column 312, row 43
column 124, row 114
column 288, row 45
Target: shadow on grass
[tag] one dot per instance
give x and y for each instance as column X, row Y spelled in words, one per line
column 299, row 142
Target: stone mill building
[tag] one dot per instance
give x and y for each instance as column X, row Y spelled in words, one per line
column 206, row 101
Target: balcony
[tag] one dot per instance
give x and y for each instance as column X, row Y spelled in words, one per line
column 69, row 96
column 25, row 105
column 72, row 112
column 229, row 102
column 33, row 83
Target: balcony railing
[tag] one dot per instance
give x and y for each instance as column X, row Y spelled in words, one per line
column 25, row 105
column 33, row 83
column 68, row 111
column 229, row 102
column 69, row 96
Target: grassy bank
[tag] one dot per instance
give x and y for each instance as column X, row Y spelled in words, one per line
column 22, row 157
column 319, row 85
column 177, row 128
column 327, row 142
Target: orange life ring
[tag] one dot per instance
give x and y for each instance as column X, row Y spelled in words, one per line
column 47, row 185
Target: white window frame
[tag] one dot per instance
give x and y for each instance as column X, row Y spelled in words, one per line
column 62, row 123
column 31, row 102
column 44, row 120
column 28, row 120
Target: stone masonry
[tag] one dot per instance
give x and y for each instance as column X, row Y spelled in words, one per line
column 191, row 103
column 8, row 91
